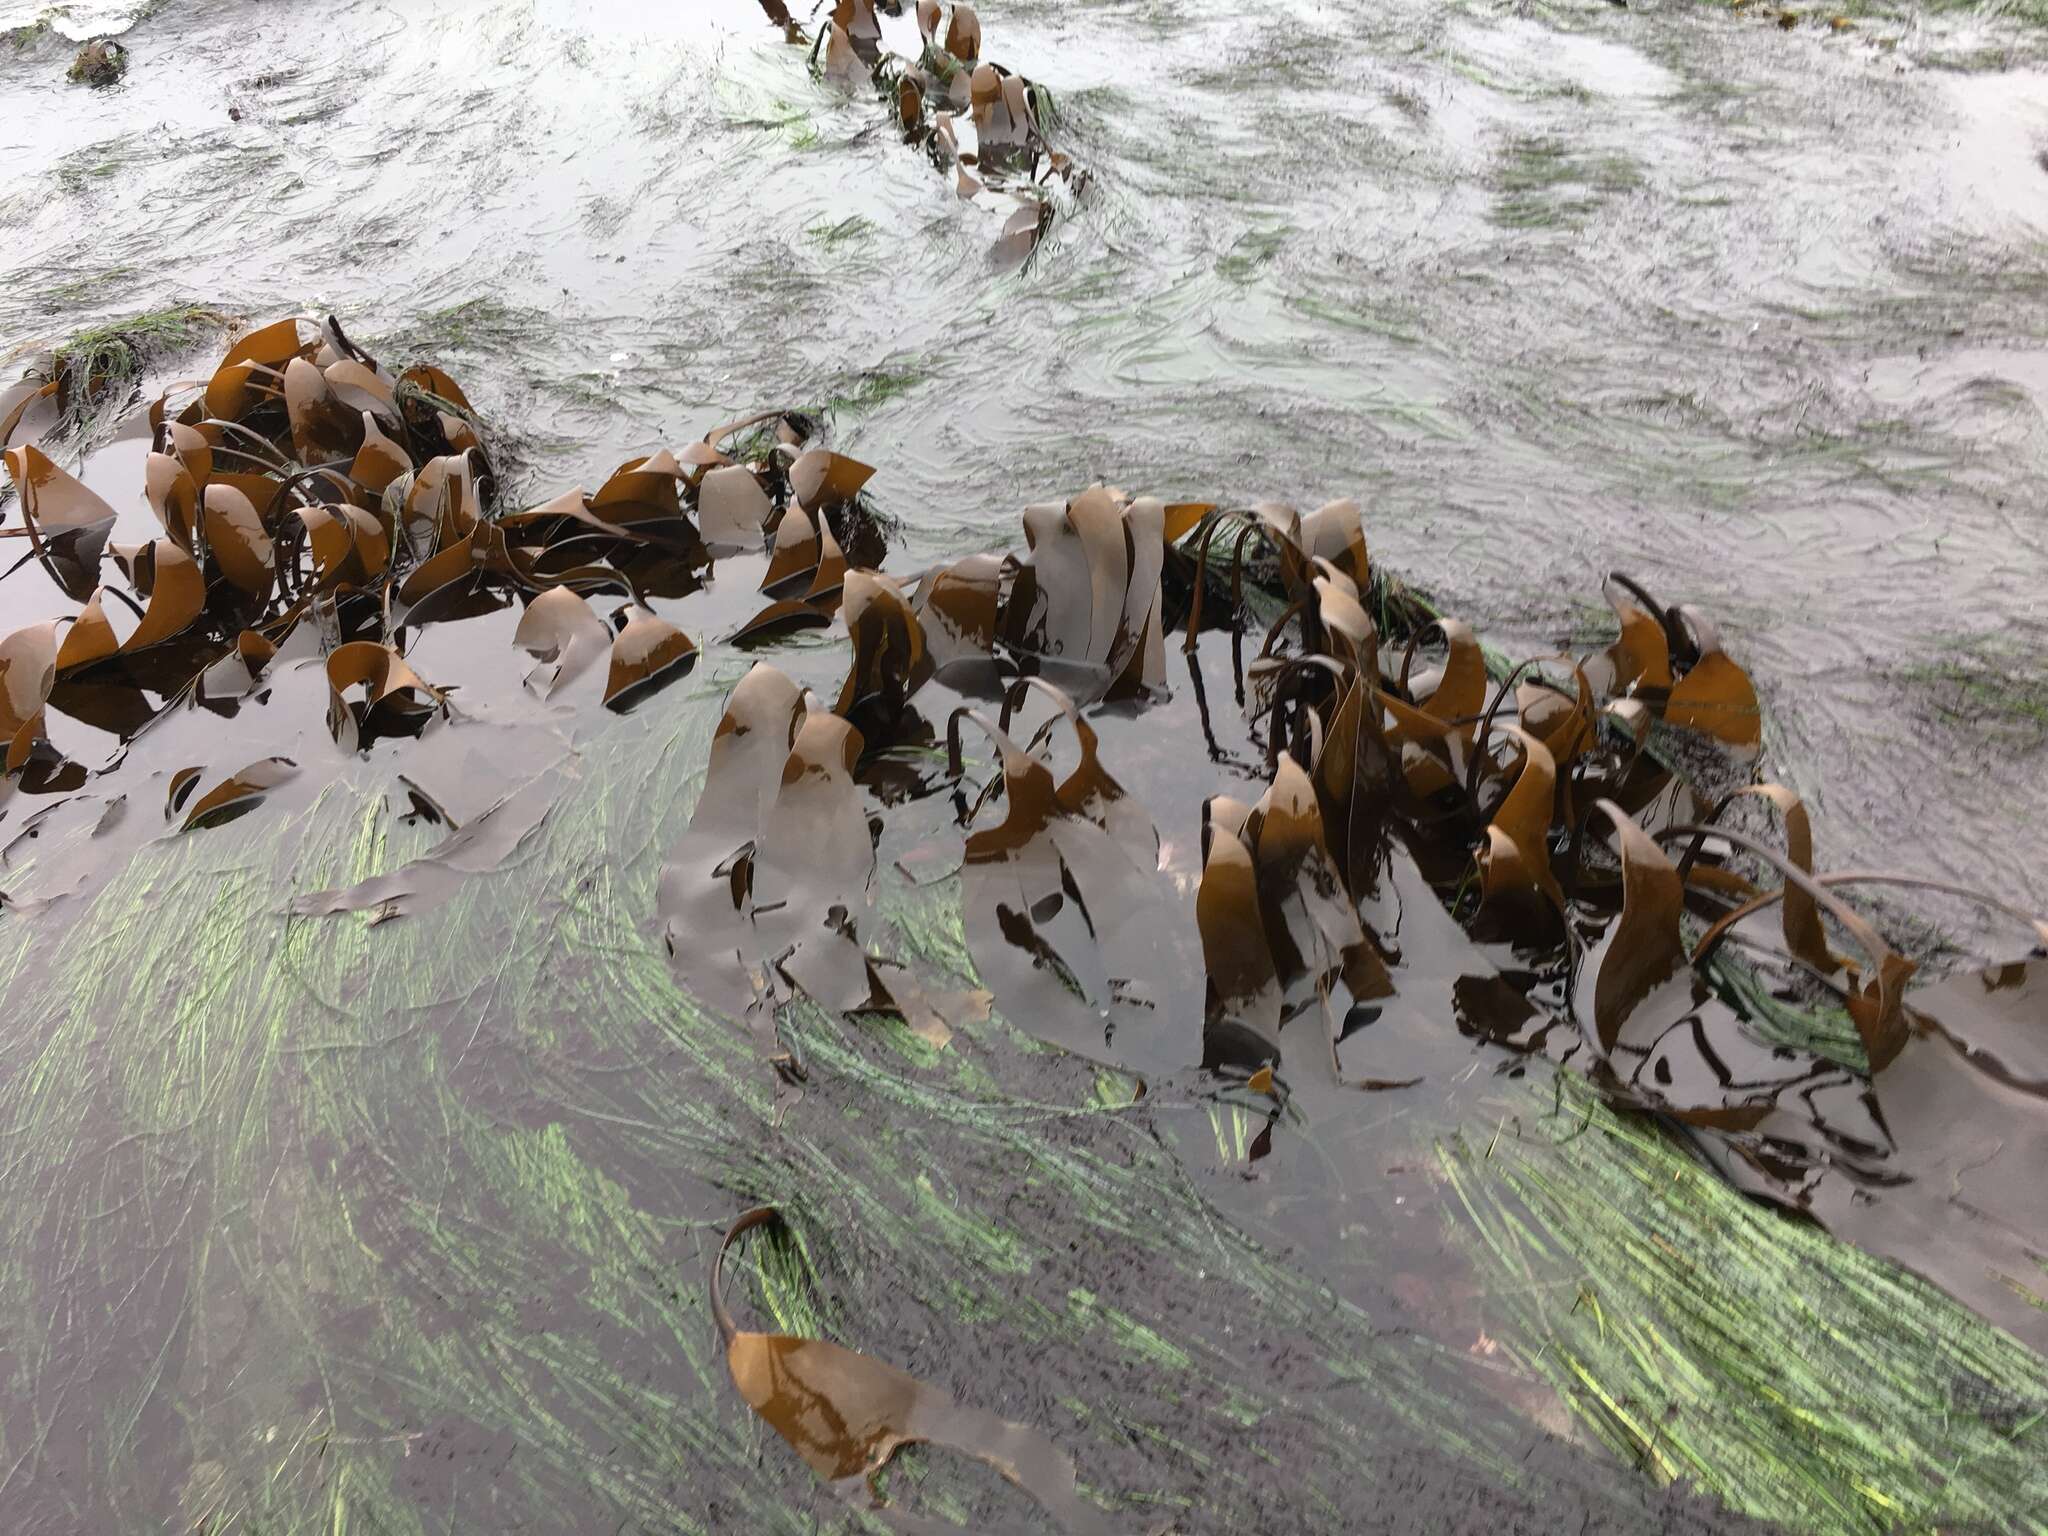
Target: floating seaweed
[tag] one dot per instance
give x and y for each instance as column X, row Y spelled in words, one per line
column 983, row 126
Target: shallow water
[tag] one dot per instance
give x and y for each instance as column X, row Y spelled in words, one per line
column 1748, row 313
column 1753, row 315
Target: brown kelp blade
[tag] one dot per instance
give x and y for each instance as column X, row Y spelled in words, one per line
column 1517, row 858
column 820, row 478
column 889, row 658
column 238, row 541
column 780, row 618
column 241, row 792
column 1063, row 916
column 324, row 430
column 1641, row 657
column 90, row 638
column 177, row 596
column 705, row 898
column 1715, row 696
column 796, row 552
column 732, row 509
column 813, row 865
column 1455, row 695
column 1965, row 1105
column 957, row 607
column 28, row 671
column 67, row 522
column 1803, row 935
column 648, row 653
column 1087, row 590
column 1874, row 998
column 372, row 690
column 1244, row 983
column 1645, row 948
column 254, row 366
column 846, row 1414
column 486, row 842
column 1311, row 924
column 564, row 635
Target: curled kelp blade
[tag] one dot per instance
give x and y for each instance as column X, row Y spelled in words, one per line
column 796, row 552
column 1454, row 694
column 91, row 636
column 1065, row 925
column 1563, row 722
column 254, row 367
column 373, row 691
column 820, row 479
column 173, row 495
column 1313, row 933
column 1715, row 696
column 1089, row 790
column 846, row 1414
column 1640, row 658
column 67, row 522
column 957, row 609
column 239, row 793
column 648, row 653
column 1087, row 590
column 564, row 635
column 237, row 540
column 28, row 671
column 780, row 618
column 324, row 429
column 381, row 461
column 1875, row 996
column 177, row 596
column 829, row 576
column 1516, row 859
column 1804, row 938
column 349, row 546
column 1243, row 981
column 890, row 659
column 732, row 508
column 1645, row 948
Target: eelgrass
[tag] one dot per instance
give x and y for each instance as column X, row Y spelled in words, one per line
column 1706, row 1337
column 99, row 368
column 320, row 1225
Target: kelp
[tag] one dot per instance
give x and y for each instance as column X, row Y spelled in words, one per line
column 978, row 123
column 304, row 481
column 847, row 1414
column 1406, row 789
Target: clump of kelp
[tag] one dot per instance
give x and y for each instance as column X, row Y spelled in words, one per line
column 310, row 500
column 308, row 497
column 979, row 123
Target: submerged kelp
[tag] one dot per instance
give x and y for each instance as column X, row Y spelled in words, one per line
column 1396, row 854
